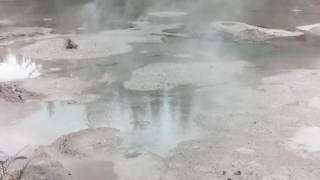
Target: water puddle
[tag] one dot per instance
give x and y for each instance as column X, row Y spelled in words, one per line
column 15, row 68
column 154, row 123
column 42, row 127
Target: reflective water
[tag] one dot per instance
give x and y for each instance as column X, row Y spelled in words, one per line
column 155, row 122
column 44, row 125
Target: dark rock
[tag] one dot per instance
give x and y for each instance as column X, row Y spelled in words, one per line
column 71, row 44
column 237, row 173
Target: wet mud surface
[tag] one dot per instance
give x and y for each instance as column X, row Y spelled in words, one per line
column 11, row 92
column 157, row 99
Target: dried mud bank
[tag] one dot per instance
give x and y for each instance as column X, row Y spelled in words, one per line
column 12, row 92
column 259, row 133
column 68, row 90
column 170, row 75
column 312, row 33
column 60, row 89
column 89, row 46
column 90, row 154
column 311, row 30
column 104, row 44
column 213, row 159
column 299, row 90
column 99, row 153
column 47, row 89
column 239, row 31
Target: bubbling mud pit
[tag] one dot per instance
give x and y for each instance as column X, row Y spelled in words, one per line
column 157, row 97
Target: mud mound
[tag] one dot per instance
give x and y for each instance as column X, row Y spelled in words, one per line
column 91, row 154
column 43, row 166
column 90, row 46
column 87, row 142
column 170, row 75
column 238, row 31
column 312, row 33
column 11, row 92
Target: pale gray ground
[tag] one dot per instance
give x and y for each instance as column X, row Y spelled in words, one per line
column 158, row 97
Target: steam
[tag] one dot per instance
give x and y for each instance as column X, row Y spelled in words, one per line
column 92, row 16
column 14, row 69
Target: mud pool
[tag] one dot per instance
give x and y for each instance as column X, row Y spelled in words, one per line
column 157, row 96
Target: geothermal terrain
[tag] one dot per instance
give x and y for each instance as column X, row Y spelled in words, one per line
column 171, row 90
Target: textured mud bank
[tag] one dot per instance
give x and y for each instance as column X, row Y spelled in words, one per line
column 170, row 75
column 91, row 153
column 12, row 92
column 240, row 31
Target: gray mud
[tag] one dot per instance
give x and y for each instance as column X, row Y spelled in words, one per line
column 12, row 92
column 89, row 153
column 154, row 97
column 11, row 34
